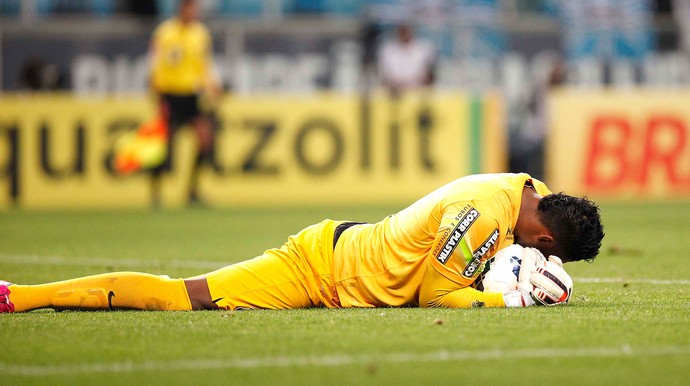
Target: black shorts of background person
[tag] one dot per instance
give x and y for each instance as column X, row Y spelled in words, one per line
column 183, row 111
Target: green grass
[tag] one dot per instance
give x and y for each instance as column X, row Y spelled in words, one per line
column 621, row 326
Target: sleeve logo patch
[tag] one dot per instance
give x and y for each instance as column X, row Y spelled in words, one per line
column 477, row 255
column 456, row 236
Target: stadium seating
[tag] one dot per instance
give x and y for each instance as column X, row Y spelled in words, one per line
column 51, row 7
column 254, row 9
column 94, row 7
column 235, row 9
column 10, row 7
column 330, row 7
column 344, row 7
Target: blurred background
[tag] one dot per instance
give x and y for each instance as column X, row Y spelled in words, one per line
column 351, row 101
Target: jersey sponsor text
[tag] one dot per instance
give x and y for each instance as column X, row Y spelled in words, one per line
column 477, row 255
column 456, row 236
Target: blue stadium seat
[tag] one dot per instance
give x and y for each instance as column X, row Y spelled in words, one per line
column 242, row 8
column 166, row 8
column 95, row 7
column 44, row 7
column 344, row 7
column 252, row 9
column 102, row 7
column 308, row 6
column 10, row 7
column 330, row 7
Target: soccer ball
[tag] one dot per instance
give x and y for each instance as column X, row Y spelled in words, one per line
column 502, row 271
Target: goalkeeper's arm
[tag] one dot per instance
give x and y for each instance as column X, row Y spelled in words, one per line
column 543, row 283
column 439, row 291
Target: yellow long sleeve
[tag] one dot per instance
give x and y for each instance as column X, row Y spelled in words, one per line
column 438, row 291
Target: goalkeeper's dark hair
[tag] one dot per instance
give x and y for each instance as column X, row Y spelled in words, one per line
column 575, row 224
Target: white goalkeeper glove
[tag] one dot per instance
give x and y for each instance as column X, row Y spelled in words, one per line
column 522, row 297
column 552, row 285
column 531, row 258
column 541, row 282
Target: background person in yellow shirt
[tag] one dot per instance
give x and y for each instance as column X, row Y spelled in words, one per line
column 181, row 73
column 428, row 254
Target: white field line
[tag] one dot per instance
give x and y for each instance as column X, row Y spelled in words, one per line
column 337, row 360
column 212, row 265
column 608, row 280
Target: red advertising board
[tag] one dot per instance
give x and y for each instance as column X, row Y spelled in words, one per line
column 623, row 143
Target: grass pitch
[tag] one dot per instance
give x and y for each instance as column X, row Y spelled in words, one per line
column 628, row 322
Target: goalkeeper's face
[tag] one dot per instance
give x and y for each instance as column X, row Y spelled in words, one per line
column 530, row 231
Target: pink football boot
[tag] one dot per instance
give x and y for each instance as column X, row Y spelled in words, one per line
column 5, row 303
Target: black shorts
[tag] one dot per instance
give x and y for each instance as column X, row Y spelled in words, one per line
column 341, row 228
column 181, row 109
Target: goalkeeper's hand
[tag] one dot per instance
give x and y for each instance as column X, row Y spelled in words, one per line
column 552, row 285
column 540, row 282
column 522, row 297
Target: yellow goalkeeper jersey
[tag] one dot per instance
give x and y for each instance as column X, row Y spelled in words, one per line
column 180, row 57
column 430, row 253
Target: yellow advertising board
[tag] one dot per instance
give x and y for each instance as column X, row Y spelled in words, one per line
column 620, row 143
column 56, row 151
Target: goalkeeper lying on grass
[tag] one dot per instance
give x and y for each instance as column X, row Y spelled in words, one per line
column 429, row 255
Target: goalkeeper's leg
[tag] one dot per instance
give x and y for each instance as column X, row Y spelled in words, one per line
column 120, row 290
